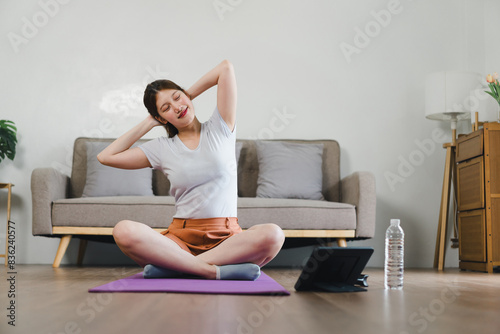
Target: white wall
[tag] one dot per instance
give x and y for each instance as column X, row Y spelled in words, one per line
column 82, row 72
column 492, row 56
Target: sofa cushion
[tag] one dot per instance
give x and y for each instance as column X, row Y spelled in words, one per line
column 296, row 214
column 161, row 185
column 108, row 181
column 238, row 147
column 290, row 170
column 157, row 211
column 248, row 168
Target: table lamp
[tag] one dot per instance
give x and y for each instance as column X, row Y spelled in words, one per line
column 449, row 98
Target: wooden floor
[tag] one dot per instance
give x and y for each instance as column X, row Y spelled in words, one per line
column 55, row 301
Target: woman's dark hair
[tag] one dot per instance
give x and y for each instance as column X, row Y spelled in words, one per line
column 150, row 100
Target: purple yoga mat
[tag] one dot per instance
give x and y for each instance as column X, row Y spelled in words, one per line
column 264, row 285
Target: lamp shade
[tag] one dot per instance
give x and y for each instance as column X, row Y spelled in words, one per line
column 448, row 95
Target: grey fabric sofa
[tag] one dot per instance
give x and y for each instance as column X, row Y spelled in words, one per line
column 347, row 213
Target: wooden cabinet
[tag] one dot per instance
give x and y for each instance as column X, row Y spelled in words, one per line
column 478, row 198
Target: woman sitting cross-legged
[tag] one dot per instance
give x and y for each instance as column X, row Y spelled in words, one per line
column 204, row 238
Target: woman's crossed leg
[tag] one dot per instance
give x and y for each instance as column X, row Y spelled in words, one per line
column 259, row 245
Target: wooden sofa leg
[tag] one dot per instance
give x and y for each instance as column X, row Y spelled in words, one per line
column 341, row 242
column 81, row 251
column 63, row 245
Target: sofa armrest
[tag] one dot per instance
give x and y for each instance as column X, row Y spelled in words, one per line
column 47, row 186
column 358, row 189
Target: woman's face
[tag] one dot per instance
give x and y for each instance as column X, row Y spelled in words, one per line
column 174, row 107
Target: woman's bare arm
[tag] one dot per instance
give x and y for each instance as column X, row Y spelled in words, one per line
column 223, row 76
column 119, row 154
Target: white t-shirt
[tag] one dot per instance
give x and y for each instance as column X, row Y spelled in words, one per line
column 203, row 181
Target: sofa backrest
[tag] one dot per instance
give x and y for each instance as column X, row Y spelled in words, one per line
column 161, row 185
column 248, row 168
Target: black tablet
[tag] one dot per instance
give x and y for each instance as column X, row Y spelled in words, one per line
column 334, row 269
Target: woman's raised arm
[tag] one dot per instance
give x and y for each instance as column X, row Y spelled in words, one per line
column 119, row 154
column 223, row 76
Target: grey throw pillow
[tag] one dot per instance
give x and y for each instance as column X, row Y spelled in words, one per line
column 290, row 170
column 108, row 181
column 238, row 147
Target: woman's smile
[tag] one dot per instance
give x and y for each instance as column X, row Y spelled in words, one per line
column 183, row 113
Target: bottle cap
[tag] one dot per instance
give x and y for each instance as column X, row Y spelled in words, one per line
column 394, row 221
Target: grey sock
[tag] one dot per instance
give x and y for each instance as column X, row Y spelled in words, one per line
column 242, row 271
column 152, row 271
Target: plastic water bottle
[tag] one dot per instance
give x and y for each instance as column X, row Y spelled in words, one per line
column 394, row 256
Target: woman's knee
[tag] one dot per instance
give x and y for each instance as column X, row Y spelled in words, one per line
column 124, row 232
column 272, row 237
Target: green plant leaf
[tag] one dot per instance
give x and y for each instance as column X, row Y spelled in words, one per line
column 7, row 124
column 493, row 90
column 8, row 140
column 490, row 93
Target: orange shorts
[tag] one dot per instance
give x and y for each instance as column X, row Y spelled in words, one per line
column 197, row 236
